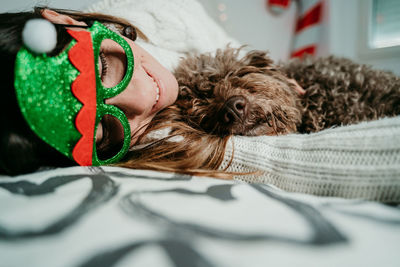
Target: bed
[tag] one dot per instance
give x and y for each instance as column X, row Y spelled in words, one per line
column 112, row 216
column 321, row 210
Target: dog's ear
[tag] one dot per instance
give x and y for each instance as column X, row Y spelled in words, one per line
column 258, row 59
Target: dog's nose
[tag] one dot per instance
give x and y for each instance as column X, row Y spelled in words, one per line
column 234, row 109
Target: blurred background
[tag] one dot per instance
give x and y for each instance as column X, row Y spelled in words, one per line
column 367, row 31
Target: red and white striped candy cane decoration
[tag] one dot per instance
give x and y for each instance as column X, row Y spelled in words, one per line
column 308, row 24
column 278, row 6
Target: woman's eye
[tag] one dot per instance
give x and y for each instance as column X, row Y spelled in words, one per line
column 110, row 142
column 104, row 65
column 112, row 63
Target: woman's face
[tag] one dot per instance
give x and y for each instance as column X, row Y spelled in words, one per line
column 151, row 89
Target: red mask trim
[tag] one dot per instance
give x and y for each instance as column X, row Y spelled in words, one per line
column 81, row 56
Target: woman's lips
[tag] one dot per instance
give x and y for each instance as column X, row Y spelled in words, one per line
column 159, row 88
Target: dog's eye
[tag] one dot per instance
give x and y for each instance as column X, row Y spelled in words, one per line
column 202, row 94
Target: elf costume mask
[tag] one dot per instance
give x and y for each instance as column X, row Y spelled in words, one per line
column 63, row 99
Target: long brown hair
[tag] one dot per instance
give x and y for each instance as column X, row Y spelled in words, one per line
column 184, row 149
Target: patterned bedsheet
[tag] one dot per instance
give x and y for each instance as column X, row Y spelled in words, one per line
column 118, row 217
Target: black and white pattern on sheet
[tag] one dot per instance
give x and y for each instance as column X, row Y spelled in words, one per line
column 117, row 217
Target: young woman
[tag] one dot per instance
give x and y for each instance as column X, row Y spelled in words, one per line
column 149, row 89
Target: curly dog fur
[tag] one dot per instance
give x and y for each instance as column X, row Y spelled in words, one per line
column 224, row 94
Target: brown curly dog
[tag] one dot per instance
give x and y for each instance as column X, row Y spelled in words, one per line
column 223, row 94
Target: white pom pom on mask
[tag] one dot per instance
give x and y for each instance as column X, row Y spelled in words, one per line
column 39, row 36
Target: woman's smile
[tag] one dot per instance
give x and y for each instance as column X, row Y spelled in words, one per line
column 158, row 89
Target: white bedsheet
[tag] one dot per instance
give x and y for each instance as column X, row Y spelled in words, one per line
column 118, row 217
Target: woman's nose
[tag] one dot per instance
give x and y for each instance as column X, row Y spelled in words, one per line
column 136, row 98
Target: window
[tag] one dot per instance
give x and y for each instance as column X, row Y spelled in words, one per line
column 385, row 23
column 381, row 19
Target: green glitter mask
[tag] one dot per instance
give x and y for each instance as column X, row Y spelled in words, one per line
column 63, row 99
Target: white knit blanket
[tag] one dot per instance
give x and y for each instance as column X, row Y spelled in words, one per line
column 174, row 27
column 361, row 161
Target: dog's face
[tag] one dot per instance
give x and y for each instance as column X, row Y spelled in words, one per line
column 224, row 95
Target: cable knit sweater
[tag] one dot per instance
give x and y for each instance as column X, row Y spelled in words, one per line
column 358, row 161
